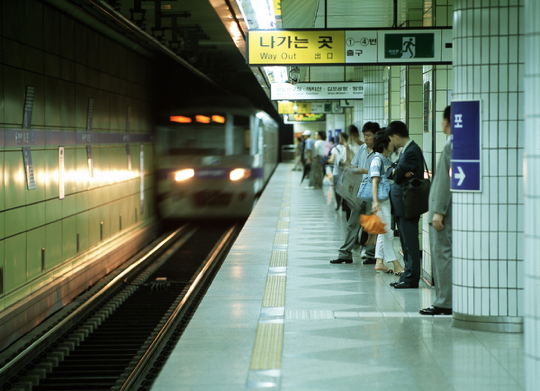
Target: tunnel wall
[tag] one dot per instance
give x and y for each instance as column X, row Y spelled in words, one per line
column 44, row 238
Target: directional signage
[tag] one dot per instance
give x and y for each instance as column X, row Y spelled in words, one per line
column 312, row 91
column 280, row 47
column 466, row 146
column 357, row 46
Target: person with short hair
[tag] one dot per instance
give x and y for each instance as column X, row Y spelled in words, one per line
column 409, row 165
column 298, row 154
column 440, row 229
column 318, row 151
column 361, row 162
column 339, row 156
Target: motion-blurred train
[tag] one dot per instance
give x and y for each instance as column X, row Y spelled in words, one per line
column 213, row 160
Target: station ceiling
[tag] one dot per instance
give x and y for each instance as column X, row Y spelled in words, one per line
column 209, row 35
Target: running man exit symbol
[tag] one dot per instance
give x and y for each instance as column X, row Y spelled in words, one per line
column 409, row 47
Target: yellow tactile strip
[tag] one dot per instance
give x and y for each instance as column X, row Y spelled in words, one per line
column 278, row 259
column 282, row 224
column 268, row 346
column 274, row 293
column 285, row 204
column 284, row 213
column 281, row 238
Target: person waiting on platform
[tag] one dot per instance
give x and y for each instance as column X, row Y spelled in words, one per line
column 361, row 160
column 440, row 229
column 318, row 151
column 384, row 250
column 298, row 155
column 409, row 165
column 340, row 155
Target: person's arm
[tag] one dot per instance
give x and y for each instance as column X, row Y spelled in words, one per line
column 442, row 203
column 332, row 158
column 408, row 163
column 374, row 192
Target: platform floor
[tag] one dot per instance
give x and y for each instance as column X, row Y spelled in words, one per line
column 278, row 316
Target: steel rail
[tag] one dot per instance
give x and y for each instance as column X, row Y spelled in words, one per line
column 72, row 317
column 179, row 310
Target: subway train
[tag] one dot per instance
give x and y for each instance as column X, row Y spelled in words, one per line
column 213, row 159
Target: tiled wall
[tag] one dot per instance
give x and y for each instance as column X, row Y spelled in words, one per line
column 357, row 114
column 392, row 95
column 374, row 90
column 489, row 54
column 531, row 310
column 67, row 64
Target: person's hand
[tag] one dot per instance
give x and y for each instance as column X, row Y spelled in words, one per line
column 438, row 221
column 409, row 174
column 375, row 207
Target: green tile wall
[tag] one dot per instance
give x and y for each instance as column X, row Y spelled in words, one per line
column 53, row 244
column 15, row 262
column 67, row 64
column 35, row 242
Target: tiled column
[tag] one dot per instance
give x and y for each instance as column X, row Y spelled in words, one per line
column 374, row 86
column 488, row 226
column 531, row 311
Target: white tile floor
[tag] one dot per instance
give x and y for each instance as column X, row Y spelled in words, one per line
column 345, row 328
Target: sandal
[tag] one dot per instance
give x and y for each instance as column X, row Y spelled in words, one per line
column 400, row 273
column 387, row 271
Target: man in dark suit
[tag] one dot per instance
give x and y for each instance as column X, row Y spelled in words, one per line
column 409, row 165
column 440, row 229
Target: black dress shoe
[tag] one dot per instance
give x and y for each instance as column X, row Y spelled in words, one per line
column 339, row 260
column 404, row 285
column 432, row 310
column 394, row 283
column 369, row 261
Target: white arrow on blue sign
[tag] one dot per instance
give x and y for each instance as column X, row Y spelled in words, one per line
column 466, row 146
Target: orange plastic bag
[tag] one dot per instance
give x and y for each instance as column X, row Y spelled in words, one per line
column 372, row 224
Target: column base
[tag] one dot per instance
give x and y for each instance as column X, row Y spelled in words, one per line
column 495, row 324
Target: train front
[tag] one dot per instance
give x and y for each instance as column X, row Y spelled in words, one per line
column 207, row 167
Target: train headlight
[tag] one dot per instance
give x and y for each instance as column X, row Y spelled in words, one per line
column 239, row 173
column 182, row 175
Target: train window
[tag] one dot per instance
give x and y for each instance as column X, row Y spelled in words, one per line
column 194, row 139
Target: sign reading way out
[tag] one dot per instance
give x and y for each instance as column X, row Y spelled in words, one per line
column 323, row 47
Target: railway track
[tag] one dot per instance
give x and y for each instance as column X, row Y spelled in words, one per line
column 118, row 339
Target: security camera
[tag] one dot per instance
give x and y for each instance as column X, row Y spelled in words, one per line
column 294, row 75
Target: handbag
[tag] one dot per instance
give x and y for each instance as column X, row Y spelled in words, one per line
column 416, row 196
column 372, row 224
column 365, row 189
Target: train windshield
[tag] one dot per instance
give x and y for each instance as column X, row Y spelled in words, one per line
column 208, row 134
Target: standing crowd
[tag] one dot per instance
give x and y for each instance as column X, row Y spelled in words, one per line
column 376, row 160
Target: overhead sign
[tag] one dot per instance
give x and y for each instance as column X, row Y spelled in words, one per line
column 314, row 91
column 294, row 108
column 322, row 47
column 283, row 47
column 306, row 117
column 466, row 146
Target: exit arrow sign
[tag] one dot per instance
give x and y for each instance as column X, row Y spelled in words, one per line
column 466, row 146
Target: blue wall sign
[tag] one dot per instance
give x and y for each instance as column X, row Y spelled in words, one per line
column 466, row 148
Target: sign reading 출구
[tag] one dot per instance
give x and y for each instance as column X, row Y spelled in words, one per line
column 466, row 149
column 352, row 46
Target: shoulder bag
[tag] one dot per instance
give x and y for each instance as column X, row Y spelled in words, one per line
column 416, row 196
column 383, row 190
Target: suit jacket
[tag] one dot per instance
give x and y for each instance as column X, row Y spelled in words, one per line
column 440, row 197
column 411, row 159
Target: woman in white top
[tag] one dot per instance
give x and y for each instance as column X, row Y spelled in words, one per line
column 317, row 153
column 384, row 250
